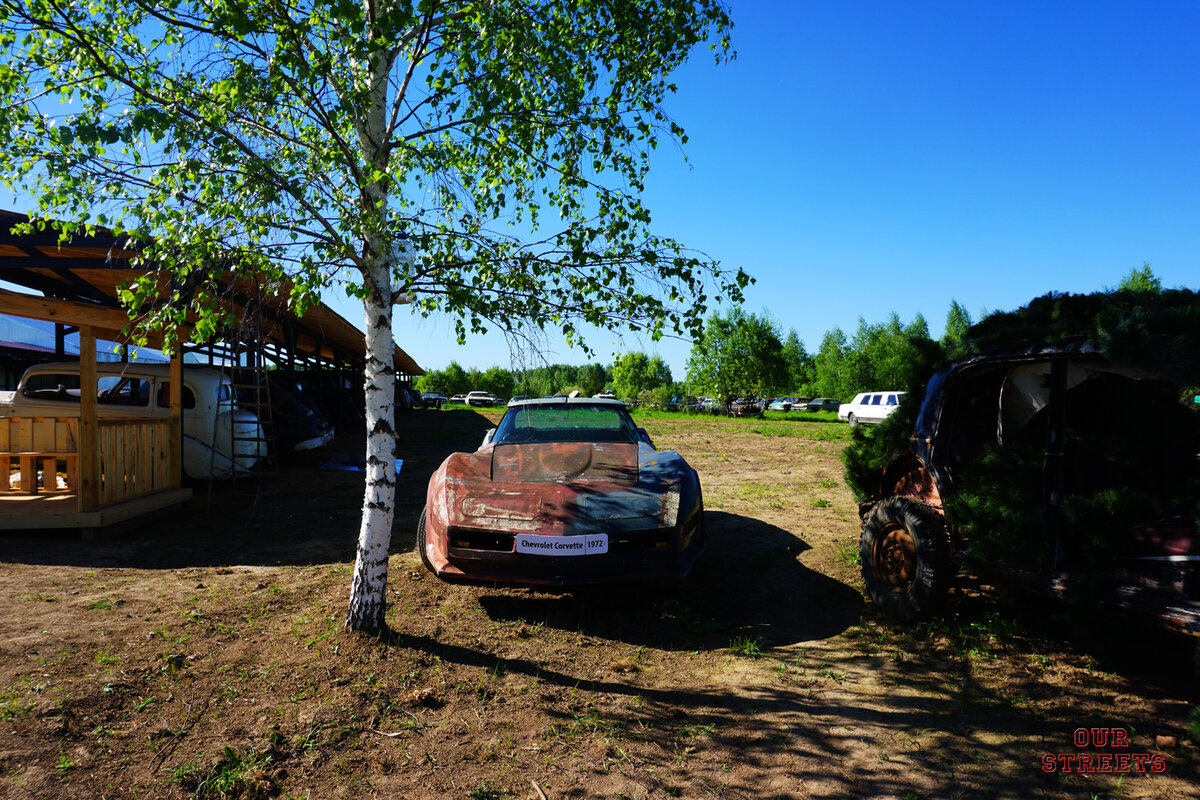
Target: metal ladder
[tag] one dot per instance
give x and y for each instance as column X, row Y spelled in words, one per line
column 250, row 391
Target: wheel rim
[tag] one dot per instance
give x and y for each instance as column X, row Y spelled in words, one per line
column 895, row 558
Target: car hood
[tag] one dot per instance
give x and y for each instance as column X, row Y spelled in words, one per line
column 565, row 462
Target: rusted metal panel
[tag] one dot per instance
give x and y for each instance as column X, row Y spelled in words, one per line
column 565, row 462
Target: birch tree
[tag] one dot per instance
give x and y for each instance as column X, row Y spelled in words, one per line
column 483, row 160
column 738, row 354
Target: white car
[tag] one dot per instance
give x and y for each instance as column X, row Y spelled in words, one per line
column 219, row 439
column 869, row 407
column 482, row 399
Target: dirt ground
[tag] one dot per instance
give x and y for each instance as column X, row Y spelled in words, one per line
column 203, row 656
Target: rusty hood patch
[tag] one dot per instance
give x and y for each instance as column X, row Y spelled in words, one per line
column 565, row 462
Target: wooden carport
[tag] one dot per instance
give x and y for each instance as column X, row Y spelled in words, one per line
column 78, row 284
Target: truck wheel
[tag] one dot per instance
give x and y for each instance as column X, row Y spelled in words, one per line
column 421, row 549
column 905, row 555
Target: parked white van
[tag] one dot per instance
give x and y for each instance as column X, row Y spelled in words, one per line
column 869, row 407
column 219, row 439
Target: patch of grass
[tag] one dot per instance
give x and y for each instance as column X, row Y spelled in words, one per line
column 65, row 765
column 828, row 483
column 837, row 677
column 486, row 791
column 759, row 493
column 236, row 774
column 12, row 706
column 40, row 596
column 997, row 624
column 592, row 723
column 104, row 605
column 849, row 555
column 696, row 731
column 746, row 647
column 163, row 633
column 105, row 657
column 821, row 502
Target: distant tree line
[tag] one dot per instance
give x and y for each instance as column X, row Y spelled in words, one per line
column 739, row 354
column 588, row 379
column 745, row 354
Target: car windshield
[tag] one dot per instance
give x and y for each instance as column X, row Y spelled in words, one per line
column 566, row 422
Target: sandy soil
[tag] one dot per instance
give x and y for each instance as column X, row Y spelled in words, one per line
column 203, row 656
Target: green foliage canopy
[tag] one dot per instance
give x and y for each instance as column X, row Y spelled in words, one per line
column 738, row 354
column 634, row 373
column 298, row 140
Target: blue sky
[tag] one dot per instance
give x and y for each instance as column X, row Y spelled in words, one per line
column 860, row 158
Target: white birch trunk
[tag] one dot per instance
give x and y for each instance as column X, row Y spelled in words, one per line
column 368, row 599
column 368, row 603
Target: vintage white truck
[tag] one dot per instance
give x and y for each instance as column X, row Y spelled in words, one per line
column 220, row 440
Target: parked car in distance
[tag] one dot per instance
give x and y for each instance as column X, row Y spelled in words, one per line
column 783, row 404
column 824, row 404
column 517, row 399
column 869, row 407
column 436, row 397
column 457, row 398
column 220, row 439
column 605, row 395
column 482, row 399
column 745, row 407
column 563, row 491
column 408, row 397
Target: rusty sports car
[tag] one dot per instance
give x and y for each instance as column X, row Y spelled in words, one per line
column 565, row 491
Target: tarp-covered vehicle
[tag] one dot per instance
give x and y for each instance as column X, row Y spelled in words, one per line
column 1070, row 467
column 563, row 491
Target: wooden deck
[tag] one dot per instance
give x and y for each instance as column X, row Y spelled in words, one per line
column 45, row 475
column 60, row 510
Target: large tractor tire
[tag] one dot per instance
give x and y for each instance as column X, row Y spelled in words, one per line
column 905, row 555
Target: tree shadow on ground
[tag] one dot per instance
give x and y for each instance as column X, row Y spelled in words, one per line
column 861, row 722
column 748, row 585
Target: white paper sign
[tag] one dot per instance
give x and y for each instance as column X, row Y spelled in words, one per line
column 538, row 545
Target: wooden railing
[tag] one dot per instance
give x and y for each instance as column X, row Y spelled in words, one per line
column 38, row 447
column 135, row 457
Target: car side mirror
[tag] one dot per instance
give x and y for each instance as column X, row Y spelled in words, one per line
column 644, row 436
column 487, row 437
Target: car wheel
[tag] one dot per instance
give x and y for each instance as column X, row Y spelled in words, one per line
column 905, row 555
column 853, row 420
column 422, row 550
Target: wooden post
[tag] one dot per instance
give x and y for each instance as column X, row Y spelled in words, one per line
column 175, row 428
column 89, row 438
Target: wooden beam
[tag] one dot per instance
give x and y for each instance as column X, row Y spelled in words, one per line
column 64, row 311
column 106, row 323
column 175, row 458
column 89, row 430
